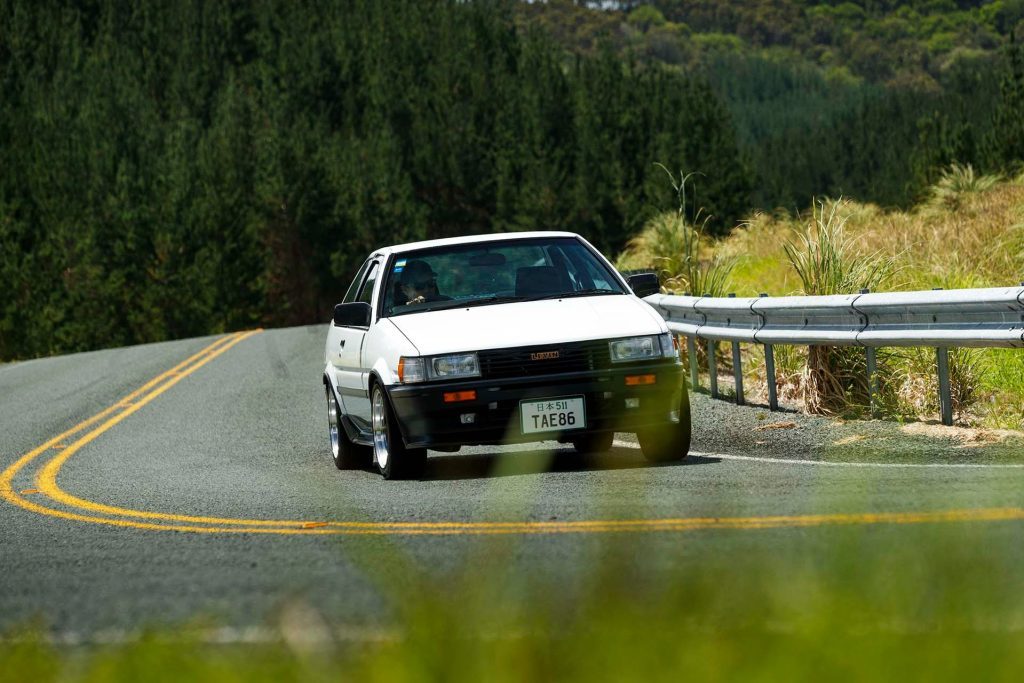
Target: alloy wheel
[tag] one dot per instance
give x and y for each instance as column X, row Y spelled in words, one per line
column 332, row 423
column 379, row 418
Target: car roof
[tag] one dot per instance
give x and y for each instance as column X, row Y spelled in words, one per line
column 470, row 239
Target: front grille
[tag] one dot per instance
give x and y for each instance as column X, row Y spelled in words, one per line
column 519, row 362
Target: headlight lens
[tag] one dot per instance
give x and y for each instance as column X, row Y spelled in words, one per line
column 454, row 365
column 635, row 348
column 413, row 369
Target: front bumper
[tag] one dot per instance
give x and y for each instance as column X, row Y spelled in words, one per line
column 426, row 421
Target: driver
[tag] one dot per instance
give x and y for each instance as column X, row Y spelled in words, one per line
column 419, row 283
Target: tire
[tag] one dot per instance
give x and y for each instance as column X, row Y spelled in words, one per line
column 594, row 443
column 346, row 455
column 670, row 441
column 393, row 459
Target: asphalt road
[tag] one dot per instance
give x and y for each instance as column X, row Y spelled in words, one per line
column 211, row 494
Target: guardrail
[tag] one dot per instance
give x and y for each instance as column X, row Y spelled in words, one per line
column 941, row 319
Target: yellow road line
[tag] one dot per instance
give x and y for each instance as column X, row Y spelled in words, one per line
column 488, row 528
column 46, row 480
column 7, row 477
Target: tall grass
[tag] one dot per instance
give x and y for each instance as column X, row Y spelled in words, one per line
column 825, row 259
column 686, row 259
column 957, row 183
column 679, row 250
column 968, row 233
column 834, row 378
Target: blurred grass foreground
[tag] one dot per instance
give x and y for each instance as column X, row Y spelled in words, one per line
column 941, row 605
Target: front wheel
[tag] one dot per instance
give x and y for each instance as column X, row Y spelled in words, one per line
column 347, row 455
column 394, row 460
column 670, row 441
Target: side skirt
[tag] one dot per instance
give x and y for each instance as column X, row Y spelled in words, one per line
column 355, row 433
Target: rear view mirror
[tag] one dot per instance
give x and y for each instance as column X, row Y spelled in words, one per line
column 355, row 314
column 644, row 284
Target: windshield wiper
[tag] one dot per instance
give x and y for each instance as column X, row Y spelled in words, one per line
column 579, row 292
column 446, row 304
column 496, row 299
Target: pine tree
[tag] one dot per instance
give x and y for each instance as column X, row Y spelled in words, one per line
column 1005, row 141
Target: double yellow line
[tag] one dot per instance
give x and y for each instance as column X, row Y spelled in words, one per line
column 54, row 453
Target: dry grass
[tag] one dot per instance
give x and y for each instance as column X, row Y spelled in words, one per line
column 968, row 233
column 981, row 243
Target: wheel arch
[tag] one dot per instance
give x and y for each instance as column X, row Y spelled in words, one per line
column 374, row 380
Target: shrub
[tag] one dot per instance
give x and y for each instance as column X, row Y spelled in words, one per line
column 958, row 182
column 834, row 378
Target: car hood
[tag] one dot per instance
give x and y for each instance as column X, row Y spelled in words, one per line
column 528, row 323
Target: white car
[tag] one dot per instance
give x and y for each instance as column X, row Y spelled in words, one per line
column 498, row 339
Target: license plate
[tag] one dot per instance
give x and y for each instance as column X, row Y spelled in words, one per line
column 552, row 415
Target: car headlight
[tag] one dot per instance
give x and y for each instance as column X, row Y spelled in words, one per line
column 642, row 348
column 453, row 365
column 450, row 366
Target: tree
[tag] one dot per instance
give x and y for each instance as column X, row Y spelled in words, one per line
column 1005, row 140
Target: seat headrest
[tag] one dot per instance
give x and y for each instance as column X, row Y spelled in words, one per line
column 538, row 281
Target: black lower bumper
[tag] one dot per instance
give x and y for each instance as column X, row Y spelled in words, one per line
column 427, row 421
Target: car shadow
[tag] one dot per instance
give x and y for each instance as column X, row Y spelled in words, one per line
column 447, row 467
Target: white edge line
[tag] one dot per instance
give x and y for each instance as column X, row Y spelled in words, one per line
column 789, row 461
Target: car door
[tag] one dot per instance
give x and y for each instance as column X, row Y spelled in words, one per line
column 352, row 377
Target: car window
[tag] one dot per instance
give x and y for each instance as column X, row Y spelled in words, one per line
column 366, row 291
column 493, row 272
column 585, row 271
column 353, row 288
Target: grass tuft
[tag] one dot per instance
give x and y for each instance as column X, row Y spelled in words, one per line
column 957, row 183
column 679, row 250
column 834, row 380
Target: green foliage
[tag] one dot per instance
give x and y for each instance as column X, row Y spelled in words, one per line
column 176, row 169
column 853, row 99
column 645, row 17
column 957, row 183
column 824, row 258
column 1005, row 141
column 936, row 602
column 679, row 250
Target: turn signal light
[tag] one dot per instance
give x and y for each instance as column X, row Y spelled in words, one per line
column 638, row 380
column 456, row 396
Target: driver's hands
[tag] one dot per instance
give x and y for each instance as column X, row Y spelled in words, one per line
column 417, row 300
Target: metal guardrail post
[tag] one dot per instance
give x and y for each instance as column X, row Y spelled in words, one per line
column 712, row 369
column 872, row 361
column 872, row 380
column 737, row 372
column 737, row 367
column 769, row 369
column 691, row 352
column 945, row 396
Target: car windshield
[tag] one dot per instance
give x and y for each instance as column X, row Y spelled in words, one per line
column 485, row 273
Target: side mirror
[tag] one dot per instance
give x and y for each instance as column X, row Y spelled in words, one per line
column 355, row 314
column 644, row 284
